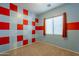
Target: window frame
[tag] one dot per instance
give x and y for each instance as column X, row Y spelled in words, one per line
column 64, row 34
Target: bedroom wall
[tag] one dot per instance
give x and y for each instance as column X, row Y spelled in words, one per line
column 72, row 41
column 17, row 26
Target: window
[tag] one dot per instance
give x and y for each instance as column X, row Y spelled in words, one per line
column 49, row 26
column 54, row 25
column 58, row 25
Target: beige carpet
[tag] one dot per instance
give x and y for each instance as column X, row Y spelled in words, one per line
column 40, row 49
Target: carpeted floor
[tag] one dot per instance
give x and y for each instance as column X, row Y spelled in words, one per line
column 40, row 49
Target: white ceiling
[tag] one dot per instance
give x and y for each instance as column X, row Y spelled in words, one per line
column 39, row 8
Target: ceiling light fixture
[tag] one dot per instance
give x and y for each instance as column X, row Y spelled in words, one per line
column 49, row 5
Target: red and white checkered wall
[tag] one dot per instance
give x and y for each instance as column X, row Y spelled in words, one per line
column 17, row 27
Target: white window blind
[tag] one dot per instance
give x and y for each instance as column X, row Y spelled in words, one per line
column 54, row 25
